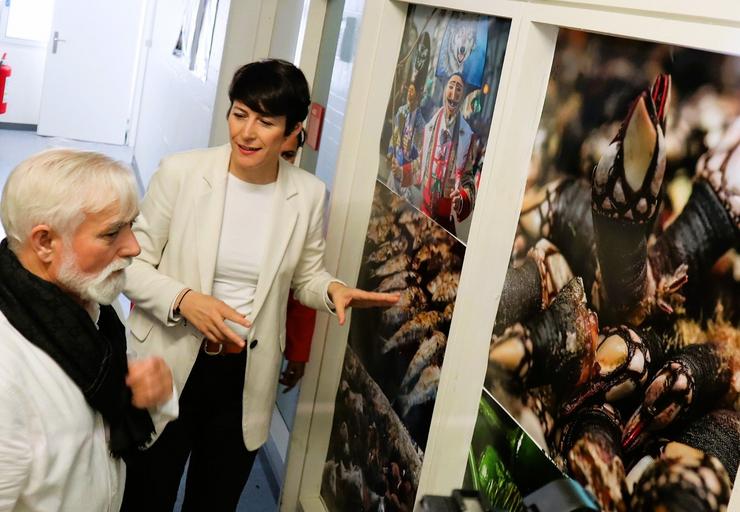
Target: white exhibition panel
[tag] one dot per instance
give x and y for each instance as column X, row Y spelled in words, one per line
column 721, row 10
column 712, row 11
column 347, row 227
column 712, row 25
column 515, row 122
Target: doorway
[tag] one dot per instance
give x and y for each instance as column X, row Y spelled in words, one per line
column 74, row 65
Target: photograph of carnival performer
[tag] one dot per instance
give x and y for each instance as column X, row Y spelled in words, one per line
column 403, row 149
column 445, row 174
column 438, row 45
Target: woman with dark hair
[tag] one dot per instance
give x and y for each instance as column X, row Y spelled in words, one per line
column 225, row 233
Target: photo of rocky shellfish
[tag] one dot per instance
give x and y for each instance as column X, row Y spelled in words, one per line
column 616, row 343
column 394, row 359
column 402, row 347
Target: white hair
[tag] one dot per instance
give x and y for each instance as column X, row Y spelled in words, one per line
column 58, row 187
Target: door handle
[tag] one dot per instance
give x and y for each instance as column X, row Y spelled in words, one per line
column 55, row 40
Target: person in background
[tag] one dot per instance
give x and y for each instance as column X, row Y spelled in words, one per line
column 293, row 144
column 72, row 407
column 225, row 233
column 300, row 320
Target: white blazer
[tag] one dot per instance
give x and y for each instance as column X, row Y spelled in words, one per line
column 178, row 230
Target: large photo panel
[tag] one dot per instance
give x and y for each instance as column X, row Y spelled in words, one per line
column 616, row 339
column 393, row 362
column 439, row 111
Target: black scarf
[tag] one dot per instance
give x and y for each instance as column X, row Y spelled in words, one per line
column 94, row 358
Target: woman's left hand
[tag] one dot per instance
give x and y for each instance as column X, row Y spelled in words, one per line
column 345, row 297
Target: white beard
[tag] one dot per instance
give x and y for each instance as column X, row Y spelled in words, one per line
column 102, row 288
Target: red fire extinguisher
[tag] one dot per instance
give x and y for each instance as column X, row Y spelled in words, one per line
column 4, row 73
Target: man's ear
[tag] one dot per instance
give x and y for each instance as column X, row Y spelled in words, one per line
column 44, row 242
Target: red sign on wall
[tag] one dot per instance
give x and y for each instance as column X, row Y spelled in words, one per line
column 315, row 122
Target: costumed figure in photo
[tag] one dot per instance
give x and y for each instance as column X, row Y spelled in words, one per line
column 420, row 75
column 403, row 148
column 445, row 171
column 73, row 407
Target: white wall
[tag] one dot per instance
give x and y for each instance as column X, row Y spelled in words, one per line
column 248, row 36
column 179, row 111
column 176, row 106
column 287, row 28
column 23, row 87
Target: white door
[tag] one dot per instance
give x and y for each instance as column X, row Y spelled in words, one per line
column 90, row 68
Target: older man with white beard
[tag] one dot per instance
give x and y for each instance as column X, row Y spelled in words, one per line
column 72, row 407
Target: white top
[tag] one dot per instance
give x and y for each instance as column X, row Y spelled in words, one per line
column 53, row 446
column 244, row 231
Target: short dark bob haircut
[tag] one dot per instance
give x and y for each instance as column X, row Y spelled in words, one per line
column 272, row 87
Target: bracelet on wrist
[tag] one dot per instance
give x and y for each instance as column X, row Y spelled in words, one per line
column 177, row 307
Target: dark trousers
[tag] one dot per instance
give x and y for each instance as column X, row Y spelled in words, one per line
column 209, row 430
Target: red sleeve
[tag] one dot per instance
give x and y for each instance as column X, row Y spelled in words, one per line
column 299, row 327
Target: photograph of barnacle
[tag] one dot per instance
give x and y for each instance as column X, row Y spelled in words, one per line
column 616, row 342
column 439, row 111
column 397, row 352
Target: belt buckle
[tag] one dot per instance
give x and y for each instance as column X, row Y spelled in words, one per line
column 209, row 352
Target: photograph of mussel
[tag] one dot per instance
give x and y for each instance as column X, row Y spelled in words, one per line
column 393, row 362
column 616, row 343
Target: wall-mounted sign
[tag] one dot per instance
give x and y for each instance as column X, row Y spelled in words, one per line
column 315, row 122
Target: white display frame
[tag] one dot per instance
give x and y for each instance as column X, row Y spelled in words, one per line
column 712, row 25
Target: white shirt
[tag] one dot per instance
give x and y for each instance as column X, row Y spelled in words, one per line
column 53, row 446
column 244, row 236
